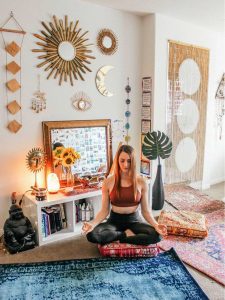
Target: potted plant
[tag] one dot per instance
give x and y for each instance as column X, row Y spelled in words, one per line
column 157, row 145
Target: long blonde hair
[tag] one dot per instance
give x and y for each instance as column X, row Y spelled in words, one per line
column 133, row 174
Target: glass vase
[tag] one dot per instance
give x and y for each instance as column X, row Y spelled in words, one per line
column 69, row 177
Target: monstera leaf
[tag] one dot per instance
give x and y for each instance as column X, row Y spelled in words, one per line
column 156, row 145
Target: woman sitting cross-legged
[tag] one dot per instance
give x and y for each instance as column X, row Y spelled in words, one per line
column 125, row 190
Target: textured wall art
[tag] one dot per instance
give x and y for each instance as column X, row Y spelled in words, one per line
column 100, row 81
column 13, row 41
column 81, row 101
column 186, row 111
column 39, row 99
column 107, row 41
column 220, row 105
column 66, row 51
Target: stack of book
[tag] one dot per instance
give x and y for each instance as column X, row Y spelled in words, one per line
column 53, row 219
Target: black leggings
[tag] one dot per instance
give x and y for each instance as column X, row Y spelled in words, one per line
column 114, row 229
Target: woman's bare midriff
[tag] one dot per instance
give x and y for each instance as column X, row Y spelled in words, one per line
column 124, row 210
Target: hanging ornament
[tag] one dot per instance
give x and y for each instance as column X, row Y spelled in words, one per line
column 118, row 131
column 81, row 101
column 13, row 68
column 127, row 113
column 39, row 100
column 220, row 105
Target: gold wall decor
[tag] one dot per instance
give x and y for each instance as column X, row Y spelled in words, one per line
column 36, row 160
column 100, row 80
column 186, row 111
column 81, row 101
column 66, row 52
column 107, row 41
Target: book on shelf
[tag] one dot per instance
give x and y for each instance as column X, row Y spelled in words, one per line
column 57, row 215
column 53, row 219
column 63, row 215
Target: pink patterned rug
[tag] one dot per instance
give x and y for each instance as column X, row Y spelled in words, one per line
column 206, row 255
column 183, row 197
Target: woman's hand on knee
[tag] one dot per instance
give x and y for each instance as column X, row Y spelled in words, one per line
column 161, row 229
column 87, row 227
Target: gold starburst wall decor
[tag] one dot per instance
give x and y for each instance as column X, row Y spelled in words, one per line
column 66, row 50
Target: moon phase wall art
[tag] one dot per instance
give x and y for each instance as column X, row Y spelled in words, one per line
column 100, row 81
column 186, row 111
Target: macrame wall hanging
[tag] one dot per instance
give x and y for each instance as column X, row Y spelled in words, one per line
column 39, row 100
column 13, row 41
column 220, row 105
column 186, row 111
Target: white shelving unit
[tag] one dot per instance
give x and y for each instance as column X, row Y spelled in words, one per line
column 32, row 209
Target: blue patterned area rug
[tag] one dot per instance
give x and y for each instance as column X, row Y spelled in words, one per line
column 161, row 277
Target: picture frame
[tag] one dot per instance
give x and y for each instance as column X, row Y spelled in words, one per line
column 145, row 126
column 146, row 98
column 145, row 167
column 146, row 113
column 146, row 84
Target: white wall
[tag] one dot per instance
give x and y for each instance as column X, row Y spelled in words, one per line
column 171, row 29
column 14, row 175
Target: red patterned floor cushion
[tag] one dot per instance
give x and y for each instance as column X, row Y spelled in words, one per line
column 186, row 223
column 117, row 249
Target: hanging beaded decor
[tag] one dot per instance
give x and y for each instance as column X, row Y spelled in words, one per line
column 39, row 100
column 127, row 113
column 13, row 72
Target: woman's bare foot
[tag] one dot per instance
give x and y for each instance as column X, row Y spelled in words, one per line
column 129, row 232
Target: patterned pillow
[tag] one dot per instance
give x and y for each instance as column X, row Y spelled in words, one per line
column 185, row 223
column 117, row 249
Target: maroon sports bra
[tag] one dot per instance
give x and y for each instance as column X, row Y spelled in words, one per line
column 126, row 197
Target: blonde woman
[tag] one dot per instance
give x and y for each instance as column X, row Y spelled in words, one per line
column 125, row 191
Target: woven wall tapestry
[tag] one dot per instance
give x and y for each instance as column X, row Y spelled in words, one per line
column 186, row 111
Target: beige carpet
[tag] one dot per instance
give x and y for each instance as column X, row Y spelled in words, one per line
column 72, row 248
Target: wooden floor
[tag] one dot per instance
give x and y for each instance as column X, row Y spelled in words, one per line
column 80, row 248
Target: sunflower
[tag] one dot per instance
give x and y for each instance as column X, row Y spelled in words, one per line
column 69, row 156
column 67, row 161
column 57, row 152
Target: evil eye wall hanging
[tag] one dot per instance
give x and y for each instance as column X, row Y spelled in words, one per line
column 81, row 101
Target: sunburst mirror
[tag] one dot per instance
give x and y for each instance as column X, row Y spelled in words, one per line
column 107, row 41
column 66, row 50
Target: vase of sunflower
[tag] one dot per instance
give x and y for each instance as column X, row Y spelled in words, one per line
column 66, row 158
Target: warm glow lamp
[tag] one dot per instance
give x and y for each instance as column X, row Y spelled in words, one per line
column 53, row 183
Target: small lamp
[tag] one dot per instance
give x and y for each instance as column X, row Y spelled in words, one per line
column 53, row 183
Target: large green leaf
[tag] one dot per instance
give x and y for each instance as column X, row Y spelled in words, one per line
column 156, row 144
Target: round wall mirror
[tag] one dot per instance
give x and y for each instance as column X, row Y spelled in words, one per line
column 107, row 41
column 66, row 51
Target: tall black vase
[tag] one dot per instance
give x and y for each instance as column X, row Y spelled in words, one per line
column 158, row 190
